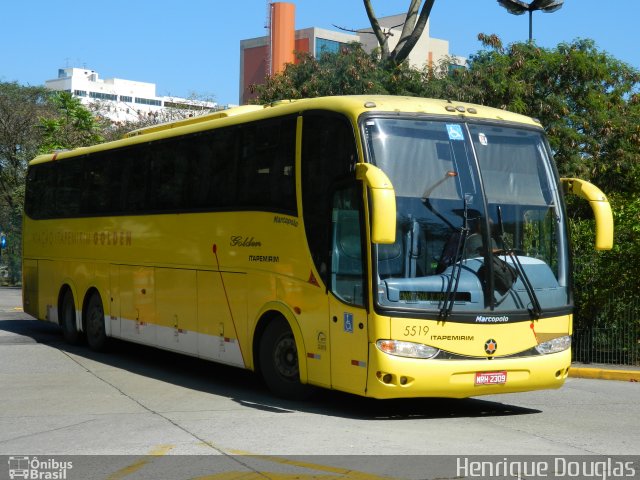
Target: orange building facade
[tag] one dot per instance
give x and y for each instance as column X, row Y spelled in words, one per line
column 268, row 55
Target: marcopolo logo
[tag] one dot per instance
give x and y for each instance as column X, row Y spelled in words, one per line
column 38, row 469
column 484, row 319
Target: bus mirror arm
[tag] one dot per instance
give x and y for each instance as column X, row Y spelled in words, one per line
column 600, row 206
column 383, row 202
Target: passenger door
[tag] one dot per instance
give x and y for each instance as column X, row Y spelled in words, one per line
column 331, row 208
column 348, row 330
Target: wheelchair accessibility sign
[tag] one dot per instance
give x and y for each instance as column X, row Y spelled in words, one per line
column 455, row 132
column 348, row 322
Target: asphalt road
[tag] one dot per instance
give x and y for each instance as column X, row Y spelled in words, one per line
column 59, row 400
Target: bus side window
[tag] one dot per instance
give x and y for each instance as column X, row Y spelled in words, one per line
column 68, row 188
column 267, row 161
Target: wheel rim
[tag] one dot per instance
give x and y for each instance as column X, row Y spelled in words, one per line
column 286, row 358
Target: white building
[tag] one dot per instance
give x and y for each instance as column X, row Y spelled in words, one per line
column 121, row 100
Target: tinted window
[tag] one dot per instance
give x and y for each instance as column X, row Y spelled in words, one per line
column 328, row 161
column 247, row 167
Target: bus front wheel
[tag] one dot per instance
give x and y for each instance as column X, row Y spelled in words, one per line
column 68, row 319
column 279, row 361
column 96, row 333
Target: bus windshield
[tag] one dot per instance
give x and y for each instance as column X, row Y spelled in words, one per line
column 479, row 220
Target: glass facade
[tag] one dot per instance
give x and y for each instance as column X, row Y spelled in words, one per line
column 327, row 46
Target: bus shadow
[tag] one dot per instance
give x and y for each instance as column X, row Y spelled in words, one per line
column 246, row 388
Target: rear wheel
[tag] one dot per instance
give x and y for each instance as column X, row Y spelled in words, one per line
column 68, row 319
column 96, row 333
column 279, row 361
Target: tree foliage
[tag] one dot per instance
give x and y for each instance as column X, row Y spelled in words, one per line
column 20, row 138
column 69, row 124
column 351, row 71
column 33, row 120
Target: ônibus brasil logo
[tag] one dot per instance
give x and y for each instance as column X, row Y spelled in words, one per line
column 34, row 468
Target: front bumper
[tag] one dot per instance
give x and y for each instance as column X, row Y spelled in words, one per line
column 398, row 377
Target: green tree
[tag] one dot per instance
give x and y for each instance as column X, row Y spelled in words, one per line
column 20, row 138
column 33, row 120
column 351, row 71
column 608, row 279
column 69, row 124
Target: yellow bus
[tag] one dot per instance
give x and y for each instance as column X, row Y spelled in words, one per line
column 383, row 246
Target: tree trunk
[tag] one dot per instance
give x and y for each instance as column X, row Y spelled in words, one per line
column 411, row 31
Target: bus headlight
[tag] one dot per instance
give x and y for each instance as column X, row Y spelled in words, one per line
column 556, row 345
column 406, row 349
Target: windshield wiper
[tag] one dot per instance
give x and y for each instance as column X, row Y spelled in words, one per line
column 528, row 286
column 456, row 267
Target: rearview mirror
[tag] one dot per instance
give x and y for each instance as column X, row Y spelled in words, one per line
column 383, row 202
column 599, row 205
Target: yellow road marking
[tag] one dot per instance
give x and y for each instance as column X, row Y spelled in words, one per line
column 135, row 466
column 333, row 473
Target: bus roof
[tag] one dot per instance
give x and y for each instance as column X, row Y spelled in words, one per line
column 230, row 112
column 352, row 105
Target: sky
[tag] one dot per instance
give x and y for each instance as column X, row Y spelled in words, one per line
column 192, row 47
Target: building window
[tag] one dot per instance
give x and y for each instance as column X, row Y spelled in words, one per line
column 80, row 93
column 126, row 98
column 103, row 96
column 453, row 68
column 327, row 46
column 148, row 101
column 185, row 106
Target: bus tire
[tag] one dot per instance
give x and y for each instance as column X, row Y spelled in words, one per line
column 94, row 325
column 68, row 323
column 279, row 361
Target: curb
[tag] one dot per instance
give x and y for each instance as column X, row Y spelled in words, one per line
column 605, row 374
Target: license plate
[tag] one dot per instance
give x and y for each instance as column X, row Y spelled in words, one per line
column 491, row 378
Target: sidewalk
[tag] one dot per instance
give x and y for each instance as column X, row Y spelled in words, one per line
column 605, row 372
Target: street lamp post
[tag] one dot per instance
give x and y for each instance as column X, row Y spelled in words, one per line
column 518, row 7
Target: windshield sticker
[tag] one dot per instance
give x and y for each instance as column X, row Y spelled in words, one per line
column 455, row 132
column 483, row 139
